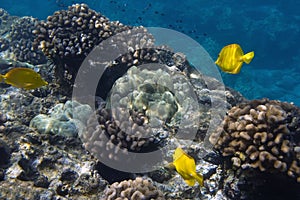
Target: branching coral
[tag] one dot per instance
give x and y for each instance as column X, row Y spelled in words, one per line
column 69, row 35
column 19, row 42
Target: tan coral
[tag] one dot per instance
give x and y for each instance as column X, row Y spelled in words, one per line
column 285, row 146
column 265, row 131
column 261, row 136
column 139, row 188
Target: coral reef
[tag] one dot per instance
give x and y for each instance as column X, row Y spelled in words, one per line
column 17, row 38
column 4, row 44
column 118, row 56
column 157, row 103
column 69, row 35
column 73, row 32
column 145, row 108
column 22, row 107
column 5, row 21
column 102, row 127
column 139, row 188
column 151, row 92
column 262, row 134
column 159, row 97
column 3, row 16
column 40, row 165
column 61, row 120
column 45, row 165
column 20, row 40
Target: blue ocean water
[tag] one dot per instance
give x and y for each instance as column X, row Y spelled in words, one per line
column 270, row 28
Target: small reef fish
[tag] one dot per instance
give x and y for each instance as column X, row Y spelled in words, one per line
column 23, row 78
column 232, row 57
column 186, row 167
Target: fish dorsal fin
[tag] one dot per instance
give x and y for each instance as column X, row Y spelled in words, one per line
column 178, row 153
column 248, row 57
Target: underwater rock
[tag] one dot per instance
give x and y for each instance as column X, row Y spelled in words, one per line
column 264, row 135
column 5, row 154
column 22, row 107
column 49, row 166
column 42, row 181
column 9, row 190
column 61, row 120
column 3, row 118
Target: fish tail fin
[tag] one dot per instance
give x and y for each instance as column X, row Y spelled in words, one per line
column 190, row 182
column 1, row 78
column 248, row 57
column 199, row 179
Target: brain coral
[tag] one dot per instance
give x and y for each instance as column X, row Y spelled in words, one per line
column 138, row 189
column 262, row 134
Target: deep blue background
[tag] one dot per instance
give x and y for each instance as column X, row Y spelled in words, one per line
column 270, row 28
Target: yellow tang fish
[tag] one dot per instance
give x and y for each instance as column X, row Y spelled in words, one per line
column 23, row 78
column 186, row 167
column 231, row 58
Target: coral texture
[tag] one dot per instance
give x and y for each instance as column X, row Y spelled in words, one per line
column 5, row 21
column 262, row 134
column 65, row 119
column 69, row 35
column 4, row 44
column 144, row 107
column 138, row 189
column 21, row 39
column 73, row 32
column 3, row 16
column 148, row 105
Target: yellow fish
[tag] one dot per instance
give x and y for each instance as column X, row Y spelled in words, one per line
column 186, row 167
column 23, row 78
column 232, row 57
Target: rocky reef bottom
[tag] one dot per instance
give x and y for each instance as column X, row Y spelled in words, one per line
column 40, row 163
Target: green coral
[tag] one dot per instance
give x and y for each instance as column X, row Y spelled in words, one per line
column 62, row 120
column 162, row 95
